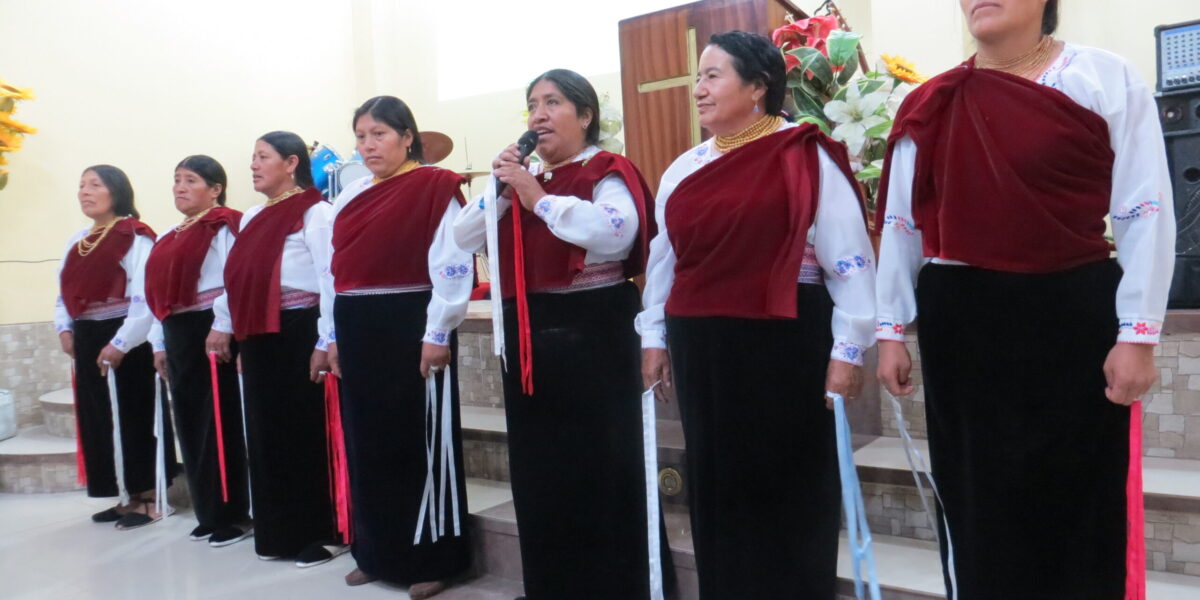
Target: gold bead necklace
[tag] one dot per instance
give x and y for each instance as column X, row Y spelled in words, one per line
column 188, row 222
column 761, row 128
column 404, row 168
column 284, row 196
column 1028, row 65
column 84, row 247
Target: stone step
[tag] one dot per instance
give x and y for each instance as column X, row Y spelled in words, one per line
column 908, row 569
column 1172, row 496
column 58, row 412
column 35, row 461
column 485, row 449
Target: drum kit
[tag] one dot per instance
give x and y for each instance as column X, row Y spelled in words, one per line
column 332, row 173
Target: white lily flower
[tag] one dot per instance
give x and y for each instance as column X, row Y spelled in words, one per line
column 896, row 98
column 854, row 116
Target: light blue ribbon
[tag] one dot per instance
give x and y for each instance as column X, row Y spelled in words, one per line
column 852, row 502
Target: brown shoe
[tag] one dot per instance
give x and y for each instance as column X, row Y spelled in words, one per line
column 427, row 589
column 359, row 577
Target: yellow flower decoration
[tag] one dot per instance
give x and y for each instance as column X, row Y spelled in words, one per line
column 3, row 161
column 16, row 126
column 901, row 68
column 8, row 90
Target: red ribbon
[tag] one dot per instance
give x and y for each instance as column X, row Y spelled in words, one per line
column 525, row 344
column 1135, row 546
column 80, row 466
column 339, row 472
column 216, row 396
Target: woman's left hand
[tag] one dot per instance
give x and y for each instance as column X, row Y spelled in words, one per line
column 109, row 357
column 160, row 364
column 844, row 379
column 433, row 357
column 1129, row 371
column 522, row 182
column 318, row 366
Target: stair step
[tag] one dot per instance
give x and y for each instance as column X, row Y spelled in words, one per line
column 908, row 569
column 58, row 412
column 1170, row 483
column 35, row 462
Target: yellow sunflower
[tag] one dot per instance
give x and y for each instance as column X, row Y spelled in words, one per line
column 901, row 68
column 16, row 126
column 8, row 90
column 9, row 141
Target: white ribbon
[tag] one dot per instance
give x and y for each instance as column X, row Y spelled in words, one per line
column 862, row 554
column 916, row 463
column 246, row 443
column 161, row 506
column 118, row 450
column 650, row 454
column 492, row 218
column 438, row 420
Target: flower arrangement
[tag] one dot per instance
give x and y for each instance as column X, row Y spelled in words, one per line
column 12, row 132
column 823, row 56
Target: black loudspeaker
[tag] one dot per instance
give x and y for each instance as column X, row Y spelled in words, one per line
column 1179, row 113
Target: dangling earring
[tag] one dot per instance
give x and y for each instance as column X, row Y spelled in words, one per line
column 756, row 108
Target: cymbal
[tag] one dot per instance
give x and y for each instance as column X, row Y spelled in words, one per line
column 474, row 174
column 437, row 146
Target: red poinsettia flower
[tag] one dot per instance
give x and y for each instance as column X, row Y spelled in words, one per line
column 811, row 32
column 791, row 61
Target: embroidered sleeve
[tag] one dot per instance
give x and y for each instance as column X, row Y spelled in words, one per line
column 886, row 329
column 848, row 352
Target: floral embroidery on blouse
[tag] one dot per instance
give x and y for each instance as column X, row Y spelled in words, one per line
column 1140, row 327
column 890, row 328
column 437, row 336
column 846, row 267
column 481, row 203
column 136, row 299
column 332, row 337
column 543, row 208
column 615, row 219
column 1143, row 209
column 453, row 272
column 118, row 342
column 900, row 224
column 848, row 352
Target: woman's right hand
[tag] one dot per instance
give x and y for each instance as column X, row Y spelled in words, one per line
column 895, row 365
column 511, row 154
column 656, row 368
column 67, row 339
column 219, row 342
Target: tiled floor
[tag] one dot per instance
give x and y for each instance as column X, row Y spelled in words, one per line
column 50, row 550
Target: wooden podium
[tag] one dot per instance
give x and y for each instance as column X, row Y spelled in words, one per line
column 659, row 52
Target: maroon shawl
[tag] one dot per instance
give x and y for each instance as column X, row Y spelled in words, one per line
column 551, row 263
column 173, row 269
column 99, row 276
column 739, row 226
column 254, row 266
column 382, row 236
column 1010, row 175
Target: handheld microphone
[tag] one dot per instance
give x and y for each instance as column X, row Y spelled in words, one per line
column 525, row 145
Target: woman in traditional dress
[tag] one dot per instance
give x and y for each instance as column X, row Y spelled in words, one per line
column 759, row 299
column 103, row 322
column 1033, row 340
column 571, row 386
column 402, row 288
column 184, row 278
column 281, row 317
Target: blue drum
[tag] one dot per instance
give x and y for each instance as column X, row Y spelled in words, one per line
column 324, row 161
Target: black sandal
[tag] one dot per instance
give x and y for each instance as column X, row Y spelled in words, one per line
column 107, row 515
column 136, row 519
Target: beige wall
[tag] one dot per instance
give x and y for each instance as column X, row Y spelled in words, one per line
column 142, row 83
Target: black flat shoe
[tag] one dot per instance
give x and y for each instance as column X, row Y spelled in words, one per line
column 229, row 535
column 201, row 533
column 319, row 553
column 108, row 515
